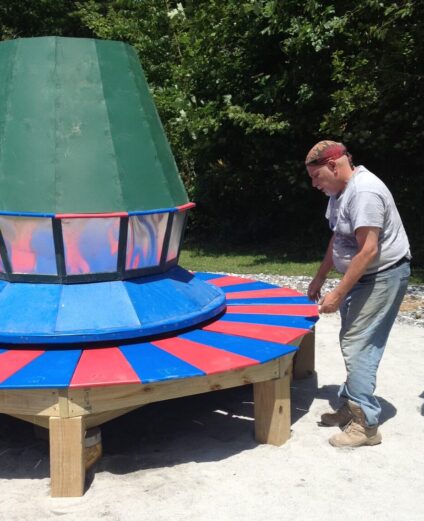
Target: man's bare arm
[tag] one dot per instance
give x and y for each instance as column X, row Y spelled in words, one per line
column 314, row 289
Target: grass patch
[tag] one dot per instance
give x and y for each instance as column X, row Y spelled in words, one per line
column 273, row 259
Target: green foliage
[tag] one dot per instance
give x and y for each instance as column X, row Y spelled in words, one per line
column 245, row 87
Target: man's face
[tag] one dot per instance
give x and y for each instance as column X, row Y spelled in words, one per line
column 324, row 178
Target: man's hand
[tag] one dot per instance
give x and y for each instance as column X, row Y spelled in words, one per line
column 330, row 303
column 314, row 289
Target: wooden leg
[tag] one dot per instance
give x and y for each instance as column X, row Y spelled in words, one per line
column 67, row 468
column 304, row 360
column 272, row 410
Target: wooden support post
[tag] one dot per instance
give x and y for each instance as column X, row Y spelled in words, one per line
column 272, row 409
column 304, row 360
column 67, row 469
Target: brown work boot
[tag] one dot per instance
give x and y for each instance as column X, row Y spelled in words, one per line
column 338, row 418
column 356, row 432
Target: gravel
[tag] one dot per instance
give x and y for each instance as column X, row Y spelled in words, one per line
column 411, row 311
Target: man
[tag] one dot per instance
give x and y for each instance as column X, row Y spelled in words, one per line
column 370, row 248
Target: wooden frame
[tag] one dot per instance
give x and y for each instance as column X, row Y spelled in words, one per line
column 68, row 413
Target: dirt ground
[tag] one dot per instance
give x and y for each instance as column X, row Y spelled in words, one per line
column 196, row 458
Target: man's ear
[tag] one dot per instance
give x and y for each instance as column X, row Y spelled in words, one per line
column 332, row 166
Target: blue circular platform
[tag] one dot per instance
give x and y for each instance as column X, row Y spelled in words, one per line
column 260, row 323
column 103, row 311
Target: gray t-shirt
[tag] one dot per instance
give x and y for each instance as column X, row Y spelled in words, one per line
column 366, row 201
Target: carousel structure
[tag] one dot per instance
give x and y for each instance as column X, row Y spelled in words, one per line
column 96, row 316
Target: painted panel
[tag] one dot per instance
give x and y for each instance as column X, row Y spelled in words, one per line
column 203, row 275
column 229, row 280
column 51, row 369
column 272, row 320
column 263, row 293
column 31, row 311
column 146, row 234
column 95, row 309
column 12, row 361
column 249, row 287
column 267, row 300
column 259, row 350
column 300, row 310
column 103, row 366
column 29, row 243
column 154, row 365
column 208, row 359
column 175, row 239
column 91, row 245
column 279, row 334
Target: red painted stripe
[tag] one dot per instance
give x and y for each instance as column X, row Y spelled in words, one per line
column 257, row 293
column 185, row 207
column 229, row 281
column 90, row 215
column 209, row 359
column 298, row 310
column 279, row 334
column 13, row 361
column 105, row 366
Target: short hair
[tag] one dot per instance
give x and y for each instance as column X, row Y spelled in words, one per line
column 323, row 151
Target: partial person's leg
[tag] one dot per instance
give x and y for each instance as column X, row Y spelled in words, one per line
column 368, row 315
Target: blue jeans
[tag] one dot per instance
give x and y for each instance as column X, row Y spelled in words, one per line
column 368, row 312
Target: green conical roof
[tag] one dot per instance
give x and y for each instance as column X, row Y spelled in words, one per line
column 79, row 132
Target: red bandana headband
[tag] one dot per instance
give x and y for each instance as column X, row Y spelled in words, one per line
column 323, row 151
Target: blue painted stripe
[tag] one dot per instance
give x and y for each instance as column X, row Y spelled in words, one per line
column 259, row 350
column 272, row 320
column 150, row 212
column 2, row 351
column 50, row 370
column 202, row 275
column 248, row 286
column 89, row 309
column 31, row 310
column 153, row 364
column 27, row 214
column 269, row 300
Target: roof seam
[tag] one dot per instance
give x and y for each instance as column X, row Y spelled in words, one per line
column 118, row 169
column 9, row 84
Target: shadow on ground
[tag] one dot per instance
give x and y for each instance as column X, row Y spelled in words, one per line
column 206, row 427
column 422, row 406
column 304, row 392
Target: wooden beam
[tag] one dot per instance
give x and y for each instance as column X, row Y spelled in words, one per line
column 304, row 360
column 96, row 400
column 272, row 409
column 67, row 468
column 94, row 420
column 30, row 402
column 40, row 421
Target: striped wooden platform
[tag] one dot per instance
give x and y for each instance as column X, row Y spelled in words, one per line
column 70, row 389
column 261, row 323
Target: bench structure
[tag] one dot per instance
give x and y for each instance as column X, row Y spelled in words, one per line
column 253, row 342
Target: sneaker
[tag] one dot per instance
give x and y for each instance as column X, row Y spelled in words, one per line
column 338, row 418
column 356, row 433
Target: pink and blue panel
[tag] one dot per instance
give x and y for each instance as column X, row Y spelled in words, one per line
column 176, row 234
column 146, row 235
column 91, row 245
column 29, row 244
